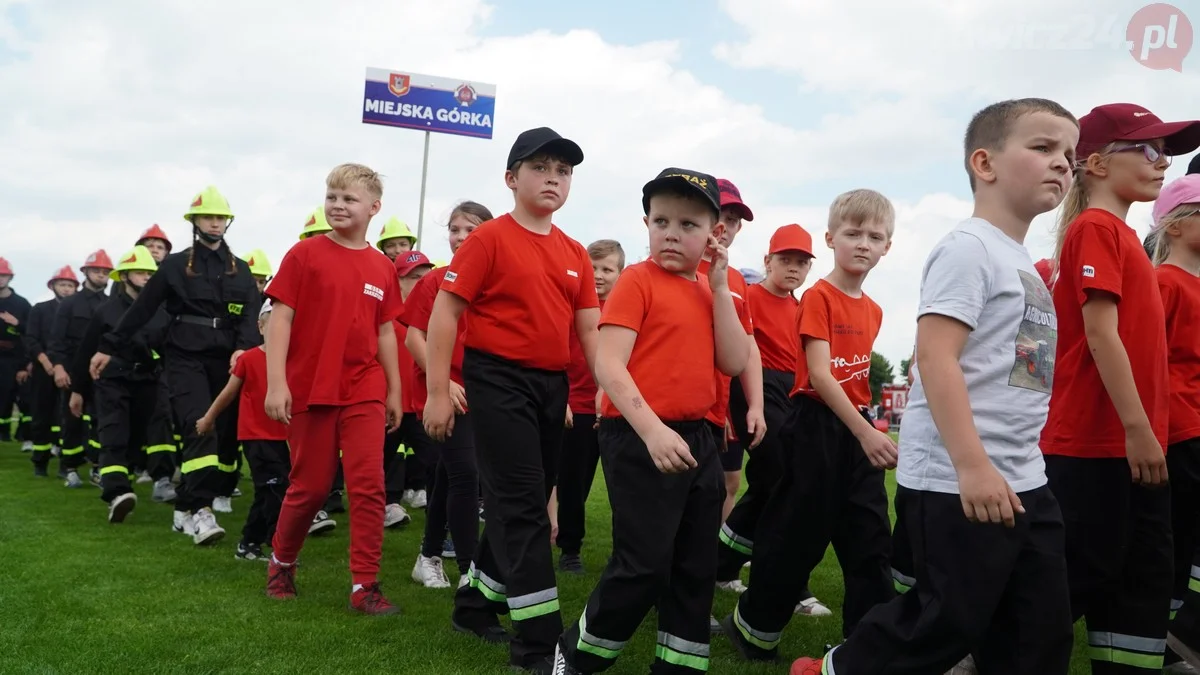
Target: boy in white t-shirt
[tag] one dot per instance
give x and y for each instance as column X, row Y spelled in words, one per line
column 987, row 535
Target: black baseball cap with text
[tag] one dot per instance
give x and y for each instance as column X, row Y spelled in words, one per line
column 702, row 183
column 1194, row 165
column 544, row 140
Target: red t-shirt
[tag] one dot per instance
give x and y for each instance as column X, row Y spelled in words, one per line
column 1180, row 291
column 1102, row 253
column 737, row 288
column 407, row 366
column 416, row 315
column 774, row 327
column 582, row 398
column 341, row 297
column 675, row 351
column 253, row 423
column 850, row 326
column 523, row 290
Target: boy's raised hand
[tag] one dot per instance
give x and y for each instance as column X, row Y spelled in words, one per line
column 880, row 449
column 718, row 269
column 1147, row 462
column 279, row 405
column 986, row 496
column 669, row 451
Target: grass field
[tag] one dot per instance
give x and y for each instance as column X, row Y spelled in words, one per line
column 80, row 596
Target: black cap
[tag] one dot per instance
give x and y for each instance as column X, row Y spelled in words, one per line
column 1194, row 165
column 544, row 139
column 702, row 183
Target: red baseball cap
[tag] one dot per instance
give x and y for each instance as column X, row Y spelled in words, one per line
column 731, row 196
column 1130, row 122
column 409, row 261
column 791, row 238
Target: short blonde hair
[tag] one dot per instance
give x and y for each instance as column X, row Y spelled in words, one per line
column 602, row 248
column 344, row 176
column 861, row 206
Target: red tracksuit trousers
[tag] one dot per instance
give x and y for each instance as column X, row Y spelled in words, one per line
column 315, row 436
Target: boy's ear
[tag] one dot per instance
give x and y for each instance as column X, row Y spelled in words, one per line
column 982, row 167
column 376, row 206
column 828, row 238
column 766, row 260
column 718, row 229
column 510, row 179
column 646, row 220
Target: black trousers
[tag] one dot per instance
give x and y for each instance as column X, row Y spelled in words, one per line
column 664, row 561
column 25, row 405
column 1119, row 559
column 45, row 427
column 763, row 470
column 1000, row 593
column 9, row 367
column 828, row 492
column 517, row 414
column 1183, row 464
column 131, row 415
column 73, row 443
column 455, row 495
column 270, row 463
column 576, row 471
column 399, row 448
column 209, row 463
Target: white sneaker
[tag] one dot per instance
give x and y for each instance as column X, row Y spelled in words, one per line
column 120, row 507
column 463, row 580
column 222, row 505
column 420, row 500
column 27, row 446
column 236, row 492
column 408, row 496
column 964, row 667
column 207, row 531
column 55, row 450
column 144, row 478
column 394, row 515
column 177, row 477
column 73, row 480
column 184, row 523
column 812, row 607
column 735, row 586
column 164, row 492
column 428, row 571
column 321, row 523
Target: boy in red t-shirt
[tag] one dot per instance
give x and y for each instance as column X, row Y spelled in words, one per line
column 581, row 448
column 664, row 327
column 520, row 282
column 831, row 488
column 336, row 384
column 264, row 442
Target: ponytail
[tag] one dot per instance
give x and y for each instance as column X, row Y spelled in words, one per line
column 1075, row 203
column 192, row 255
column 232, row 261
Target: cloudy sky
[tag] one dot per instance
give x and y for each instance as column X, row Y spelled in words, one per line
column 116, row 114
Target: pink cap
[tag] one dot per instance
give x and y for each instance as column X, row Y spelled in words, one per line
column 1185, row 190
column 409, row 261
column 731, row 196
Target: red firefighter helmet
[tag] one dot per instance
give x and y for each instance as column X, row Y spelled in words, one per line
column 154, row 232
column 5, row 268
column 65, row 274
column 97, row 260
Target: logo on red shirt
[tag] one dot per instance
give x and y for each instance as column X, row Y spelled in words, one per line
column 373, row 291
column 1089, row 271
column 451, row 276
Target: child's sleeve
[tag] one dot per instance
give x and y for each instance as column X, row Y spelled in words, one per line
column 470, row 266
column 626, row 305
column 420, row 304
column 956, row 280
column 586, row 298
column 812, row 318
column 239, row 366
column 287, row 285
column 1092, row 252
column 392, row 305
column 742, row 302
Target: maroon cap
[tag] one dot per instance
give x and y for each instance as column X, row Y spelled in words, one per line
column 731, row 196
column 409, row 261
column 1129, row 122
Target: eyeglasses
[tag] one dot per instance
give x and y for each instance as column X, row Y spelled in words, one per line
column 1149, row 151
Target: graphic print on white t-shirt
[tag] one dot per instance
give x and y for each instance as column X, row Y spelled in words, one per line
column 1037, row 338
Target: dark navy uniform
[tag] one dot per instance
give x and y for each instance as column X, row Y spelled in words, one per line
column 212, row 301
column 45, row 427
column 12, row 359
column 70, row 323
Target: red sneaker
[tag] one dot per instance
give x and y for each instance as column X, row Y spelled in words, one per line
column 369, row 600
column 281, row 580
column 806, row 665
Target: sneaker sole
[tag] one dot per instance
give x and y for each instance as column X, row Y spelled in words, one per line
column 387, row 612
column 121, row 510
column 322, row 528
column 398, row 524
column 208, row 538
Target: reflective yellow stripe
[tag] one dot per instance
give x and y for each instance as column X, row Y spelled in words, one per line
column 208, row 461
column 72, row 451
column 87, row 418
column 113, row 469
column 93, row 444
column 159, row 448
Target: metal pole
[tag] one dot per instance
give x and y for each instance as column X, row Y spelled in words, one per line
column 421, row 211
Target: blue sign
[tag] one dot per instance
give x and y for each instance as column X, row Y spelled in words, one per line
column 429, row 103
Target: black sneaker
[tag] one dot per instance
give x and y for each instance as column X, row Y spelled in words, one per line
column 744, row 649
column 334, row 503
column 493, row 634
column 249, row 551
column 561, row 667
column 542, row 666
column 39, row 470
column 571, row 564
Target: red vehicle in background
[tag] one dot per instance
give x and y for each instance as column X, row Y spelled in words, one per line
column 890, row 410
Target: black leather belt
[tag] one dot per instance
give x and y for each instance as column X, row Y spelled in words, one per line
column 209, row 321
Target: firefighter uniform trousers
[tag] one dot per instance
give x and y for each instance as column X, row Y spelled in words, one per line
column 44, row 430
column 576, row 471
column 91, row 422
column 130, row 415
column 1119, row 559
column 664, row 560
column 208, row 462
column 764, row 467
column 10, row 365
column 74, row 435
column 25, row 405
column 1183, row 464
column 518, row 417
column 270, row 463
column 828, row 493
column 997, row 592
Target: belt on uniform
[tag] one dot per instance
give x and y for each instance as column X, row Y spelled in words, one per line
column 209, row 321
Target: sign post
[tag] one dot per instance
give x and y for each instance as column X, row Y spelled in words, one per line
column 431, row 104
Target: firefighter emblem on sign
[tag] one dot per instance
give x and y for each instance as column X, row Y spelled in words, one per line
column 398, row 84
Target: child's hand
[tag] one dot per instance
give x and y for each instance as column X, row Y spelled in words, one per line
column 395, row 411
column 569, row 423
column 987, row 497
column 96, row 366
column 669, row 451
column 880, row 449
column 458, row 396
column 718, row 269
column 279, row 404
column 1146, row 459
column 234, row 359
column 756, row 425
column 439, row 418
column 204, row 425
column 75, row 404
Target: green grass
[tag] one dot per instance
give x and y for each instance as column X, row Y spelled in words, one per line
column 80, row 596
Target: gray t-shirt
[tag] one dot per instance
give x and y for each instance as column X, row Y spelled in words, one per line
column 982, row 277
